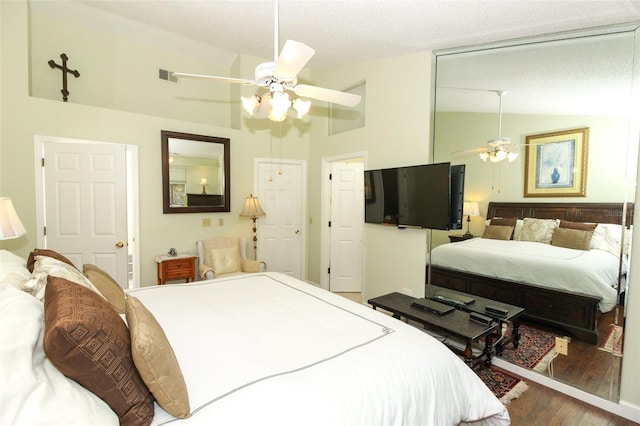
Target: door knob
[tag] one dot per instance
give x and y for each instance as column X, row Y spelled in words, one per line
column 297, row 231
column 119, row 244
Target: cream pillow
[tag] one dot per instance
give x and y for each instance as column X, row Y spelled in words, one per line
column 109, row 288
column 225, row 261
column 45, row 266
column 537, row 230
column 155, row 360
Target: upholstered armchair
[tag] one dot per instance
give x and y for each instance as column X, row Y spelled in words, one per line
column 225, row 256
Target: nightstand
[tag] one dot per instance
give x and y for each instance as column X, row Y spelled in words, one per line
column 180, row 267
column 456, row 238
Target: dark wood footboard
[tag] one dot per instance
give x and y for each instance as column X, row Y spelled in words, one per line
column 574, row 313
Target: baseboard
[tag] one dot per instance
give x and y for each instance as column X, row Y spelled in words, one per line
column 623, row 409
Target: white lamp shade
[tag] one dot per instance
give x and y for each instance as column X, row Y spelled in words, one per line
column 10, row 225
column 252, row 208
column 203, row 181
column 470, row 208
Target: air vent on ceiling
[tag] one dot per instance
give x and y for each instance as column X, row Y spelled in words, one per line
column 167, row 75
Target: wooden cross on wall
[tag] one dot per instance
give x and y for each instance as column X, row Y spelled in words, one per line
column 65, row 70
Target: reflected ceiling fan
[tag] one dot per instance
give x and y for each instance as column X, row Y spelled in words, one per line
column 498, row 149
column 280, row 77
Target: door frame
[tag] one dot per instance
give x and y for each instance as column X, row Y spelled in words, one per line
column 303, row 200
column 133, row 196
column 325, row 215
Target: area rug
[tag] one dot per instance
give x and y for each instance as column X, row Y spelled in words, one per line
column 613, row 342
column 535, row 351
column 503, row 385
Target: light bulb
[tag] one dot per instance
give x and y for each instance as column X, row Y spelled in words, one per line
column 302, row 107
column 250, row 104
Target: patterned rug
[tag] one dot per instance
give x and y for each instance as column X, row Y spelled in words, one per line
column 503, row 385
column 613, row 342
column 535, row 351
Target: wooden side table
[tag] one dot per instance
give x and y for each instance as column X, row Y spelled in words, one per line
column 180, row 267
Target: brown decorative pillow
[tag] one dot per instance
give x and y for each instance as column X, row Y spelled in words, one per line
column 498, row 232
column 107, row 286
column 45, row 252
column 583, row 226
column 572, row 238
column 155, row 360
column 505, row 221
column 87, row 341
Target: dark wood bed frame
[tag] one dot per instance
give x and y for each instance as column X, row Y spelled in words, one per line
column 573, row 312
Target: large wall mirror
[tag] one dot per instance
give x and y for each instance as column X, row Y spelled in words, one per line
column 548, row 84
column 195, row 173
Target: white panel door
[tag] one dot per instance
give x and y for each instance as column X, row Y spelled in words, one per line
column 281, row 239
column 86, row 204
column 347, row 217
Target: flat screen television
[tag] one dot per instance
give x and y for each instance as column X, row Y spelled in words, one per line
column 425, row 196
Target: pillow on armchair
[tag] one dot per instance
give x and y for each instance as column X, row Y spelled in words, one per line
column 225, row 260
column 225, row 255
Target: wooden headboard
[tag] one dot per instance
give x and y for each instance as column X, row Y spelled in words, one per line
column 575, row 212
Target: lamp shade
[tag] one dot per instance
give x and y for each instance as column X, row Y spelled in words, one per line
column 203, row 181
column 252, row 208
column 10, row 225
column 470, row 209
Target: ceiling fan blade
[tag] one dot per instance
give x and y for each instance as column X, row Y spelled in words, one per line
column 215, row 78
column 293, row 57
column 328, row 95
column 470, row 151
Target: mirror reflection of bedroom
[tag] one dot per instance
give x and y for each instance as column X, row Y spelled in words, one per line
column 559, row 247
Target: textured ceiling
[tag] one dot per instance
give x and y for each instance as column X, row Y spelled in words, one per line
column 343, row 31
column 353, row 30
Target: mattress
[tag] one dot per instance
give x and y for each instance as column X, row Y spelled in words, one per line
column 592, row 272
column 270, row 349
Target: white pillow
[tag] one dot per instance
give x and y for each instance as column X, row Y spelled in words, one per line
column 14, row 265
column 32, row 390
column 607, row 237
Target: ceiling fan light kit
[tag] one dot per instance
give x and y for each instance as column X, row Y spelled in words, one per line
column 281, row 76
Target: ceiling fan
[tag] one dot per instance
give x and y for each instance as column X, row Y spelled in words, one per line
column 498, row 149
column 279, row 77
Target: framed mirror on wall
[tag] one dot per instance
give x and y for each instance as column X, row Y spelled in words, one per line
column 195, row 173
column 520, row 90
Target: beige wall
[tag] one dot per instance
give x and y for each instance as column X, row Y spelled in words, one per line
column 396, row 134
column 485, row 182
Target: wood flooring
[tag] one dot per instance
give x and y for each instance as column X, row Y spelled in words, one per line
column 540, row 405
column 585, row 366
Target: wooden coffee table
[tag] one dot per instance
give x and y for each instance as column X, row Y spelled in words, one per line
column 456, row 324
column 480, row 305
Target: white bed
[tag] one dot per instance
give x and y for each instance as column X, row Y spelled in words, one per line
column 259, row 349
column 592, row 272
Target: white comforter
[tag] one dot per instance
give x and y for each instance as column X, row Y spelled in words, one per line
column 592, row 272
column 268, row 349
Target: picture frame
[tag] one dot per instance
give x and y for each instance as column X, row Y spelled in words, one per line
column 556, row 164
